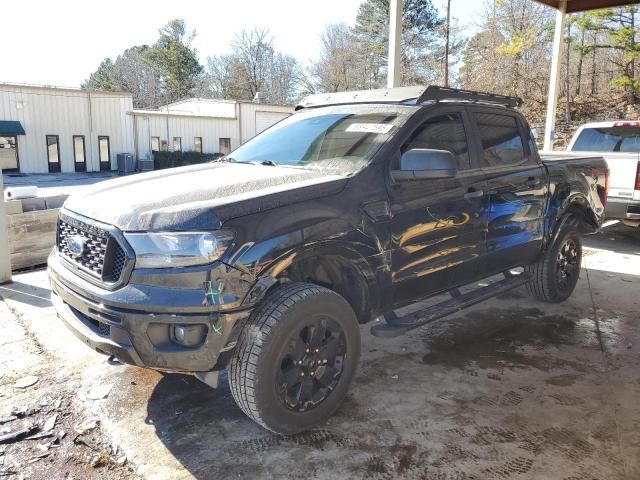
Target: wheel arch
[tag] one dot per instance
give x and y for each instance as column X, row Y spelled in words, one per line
column 332, row 265
column 576, row 208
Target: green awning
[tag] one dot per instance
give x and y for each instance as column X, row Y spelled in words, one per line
column 11, row 127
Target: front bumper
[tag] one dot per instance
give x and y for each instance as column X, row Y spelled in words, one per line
column 623, row 209
column 134, row 323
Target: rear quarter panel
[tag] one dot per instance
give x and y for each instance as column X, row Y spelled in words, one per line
column 576, row 183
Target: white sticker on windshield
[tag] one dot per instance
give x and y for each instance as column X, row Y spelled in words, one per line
column 370, row 127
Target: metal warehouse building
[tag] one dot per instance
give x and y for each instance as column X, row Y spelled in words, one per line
column 46, row 129
column 202, row 125
column 49, row 129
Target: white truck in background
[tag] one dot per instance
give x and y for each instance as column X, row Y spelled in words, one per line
column 619, row 143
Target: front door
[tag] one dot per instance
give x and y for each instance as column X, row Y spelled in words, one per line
column 516, row 189
column 104, row 153
column 8, row 153
column 438, row 226
column 53, row 153
column 79, row 154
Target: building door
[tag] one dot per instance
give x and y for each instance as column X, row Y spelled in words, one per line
column 79, row 153
column 8, row 153
column 104, row 153
column 145, row 147
column 438, row 231
column 53, row 153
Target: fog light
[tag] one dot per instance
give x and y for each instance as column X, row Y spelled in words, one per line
column 188, row 335
column 179, row 334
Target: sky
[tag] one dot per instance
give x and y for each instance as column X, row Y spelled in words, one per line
column 61, row 42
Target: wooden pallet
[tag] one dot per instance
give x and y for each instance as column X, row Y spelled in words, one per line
column 31, row 237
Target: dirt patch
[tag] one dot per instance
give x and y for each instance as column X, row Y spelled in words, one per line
column 495, row 338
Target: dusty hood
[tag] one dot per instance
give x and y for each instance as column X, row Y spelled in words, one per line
column 200, row 196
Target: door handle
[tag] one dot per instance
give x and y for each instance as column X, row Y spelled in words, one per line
column 473, row 194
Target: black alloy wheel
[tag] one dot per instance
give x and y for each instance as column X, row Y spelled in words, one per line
column 312, row 365
column 567, row 265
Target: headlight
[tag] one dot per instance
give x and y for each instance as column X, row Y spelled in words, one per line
column 178, row 249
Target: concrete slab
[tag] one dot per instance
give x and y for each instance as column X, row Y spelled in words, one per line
column 512, row 388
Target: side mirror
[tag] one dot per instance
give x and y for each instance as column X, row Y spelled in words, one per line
column 423, row 163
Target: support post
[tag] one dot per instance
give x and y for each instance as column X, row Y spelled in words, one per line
column 5, row 260
column 395, row 37
column 554, row 78
column 446, row 47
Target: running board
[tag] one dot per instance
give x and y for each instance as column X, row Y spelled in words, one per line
column 396, row 326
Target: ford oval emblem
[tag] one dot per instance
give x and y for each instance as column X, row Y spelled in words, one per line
column 77, row 245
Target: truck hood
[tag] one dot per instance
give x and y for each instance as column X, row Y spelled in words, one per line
column 199, row 197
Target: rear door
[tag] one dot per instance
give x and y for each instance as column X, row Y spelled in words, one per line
column 437, row 226
column 516, row 188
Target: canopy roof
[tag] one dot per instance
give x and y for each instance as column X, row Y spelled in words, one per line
column 574, row 6
column 11, row 127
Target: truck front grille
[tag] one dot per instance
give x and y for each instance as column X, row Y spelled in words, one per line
column 91, row 248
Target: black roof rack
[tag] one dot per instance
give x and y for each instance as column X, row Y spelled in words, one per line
column 381, row 95
column 437, row 94
column 414, row 95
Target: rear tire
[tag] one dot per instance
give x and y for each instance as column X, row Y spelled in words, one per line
column 295, row 358
column 554, row 277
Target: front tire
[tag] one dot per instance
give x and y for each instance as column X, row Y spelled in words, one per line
column 295, row 358
column 554, row 277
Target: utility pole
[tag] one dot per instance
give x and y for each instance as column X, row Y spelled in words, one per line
column 446, row 47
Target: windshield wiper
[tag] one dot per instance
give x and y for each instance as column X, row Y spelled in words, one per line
column 270, row 163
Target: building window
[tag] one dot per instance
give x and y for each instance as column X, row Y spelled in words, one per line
column 104, row 153
column 225, row 146
column 53, row 153
column 197, row 144
column 155, row 144
column 8, row 153
column 79, row 156
column 177, row 144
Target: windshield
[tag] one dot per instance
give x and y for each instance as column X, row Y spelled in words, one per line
column 340, row 139
column 610, row 139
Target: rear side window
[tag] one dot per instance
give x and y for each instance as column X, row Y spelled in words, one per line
column 444, row 132
column 612, row 139
column 501, row 141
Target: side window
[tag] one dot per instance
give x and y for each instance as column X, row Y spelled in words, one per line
column 443, row 132
column 501, row 141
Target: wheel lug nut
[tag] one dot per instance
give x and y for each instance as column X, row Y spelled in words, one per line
column 302, row 374
column 307, row 350
column 324, row 361
column 311, row 374
column 317, row 350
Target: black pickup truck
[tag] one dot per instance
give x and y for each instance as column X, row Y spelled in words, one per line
column 360, row 203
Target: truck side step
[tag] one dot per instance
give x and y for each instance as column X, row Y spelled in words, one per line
column 396, row 326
